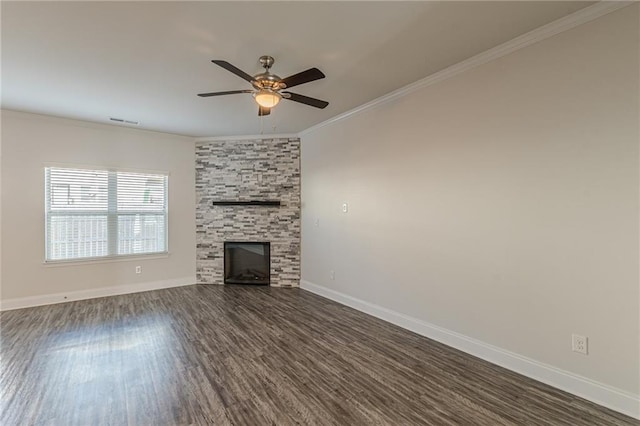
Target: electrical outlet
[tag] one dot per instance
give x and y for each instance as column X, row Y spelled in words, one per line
column 138, row 269
column 345, row 207
column 580, row 344
column 332, row 275
column 317, row 222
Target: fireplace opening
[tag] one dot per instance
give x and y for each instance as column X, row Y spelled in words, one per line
column 246, row 263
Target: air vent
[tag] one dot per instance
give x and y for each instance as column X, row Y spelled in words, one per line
column 123, row 121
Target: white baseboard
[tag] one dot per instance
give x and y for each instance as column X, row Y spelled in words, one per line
column 49, row 299
column 607, row 396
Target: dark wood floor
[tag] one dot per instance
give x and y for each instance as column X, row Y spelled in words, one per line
column 253, row 356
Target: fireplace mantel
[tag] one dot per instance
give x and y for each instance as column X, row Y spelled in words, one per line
column 264, row 203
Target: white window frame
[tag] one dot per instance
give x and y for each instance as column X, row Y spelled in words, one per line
column 111, row 213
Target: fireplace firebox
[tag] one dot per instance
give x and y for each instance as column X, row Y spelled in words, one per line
column 247, row 263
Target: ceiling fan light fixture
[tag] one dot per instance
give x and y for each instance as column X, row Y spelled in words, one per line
column 266, row 86
column 267, row 98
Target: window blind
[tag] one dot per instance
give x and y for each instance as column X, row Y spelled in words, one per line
column 99, row 213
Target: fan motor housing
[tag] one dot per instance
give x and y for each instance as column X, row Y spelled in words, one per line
column 266, row 80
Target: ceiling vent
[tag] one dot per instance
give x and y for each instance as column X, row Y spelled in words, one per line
column 123, row 121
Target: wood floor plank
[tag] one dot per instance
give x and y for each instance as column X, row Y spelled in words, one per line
column 239, row 355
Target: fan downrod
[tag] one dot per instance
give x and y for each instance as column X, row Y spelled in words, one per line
column 266, row 62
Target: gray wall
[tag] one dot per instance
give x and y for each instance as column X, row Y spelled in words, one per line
column 29, row 143
column 500, row 204
column 260, row 169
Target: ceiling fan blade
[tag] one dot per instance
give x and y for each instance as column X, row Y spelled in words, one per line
column 237, row 71
column 230, row 92
column 306, row 100
column 263, row 111
column 311, row 74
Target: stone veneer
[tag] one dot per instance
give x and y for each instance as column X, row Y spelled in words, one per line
column 244, row 170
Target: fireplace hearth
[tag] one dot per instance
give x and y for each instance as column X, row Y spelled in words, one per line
column 247, row 263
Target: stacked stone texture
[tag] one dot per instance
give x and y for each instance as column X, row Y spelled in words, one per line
column 246, row 170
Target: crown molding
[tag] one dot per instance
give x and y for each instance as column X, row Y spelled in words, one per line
column 246, row 137
column 566, row 23
column 86, row 123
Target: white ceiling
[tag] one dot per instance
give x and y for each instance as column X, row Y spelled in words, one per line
column 146, row 61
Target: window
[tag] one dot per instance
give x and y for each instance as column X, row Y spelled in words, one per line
column 100, row 213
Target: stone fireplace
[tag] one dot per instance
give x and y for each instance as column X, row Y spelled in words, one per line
column 248, row 191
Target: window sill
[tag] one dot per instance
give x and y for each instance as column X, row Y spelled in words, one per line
column 109, row 259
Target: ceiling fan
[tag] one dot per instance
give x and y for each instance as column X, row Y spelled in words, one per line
column 268, row 88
